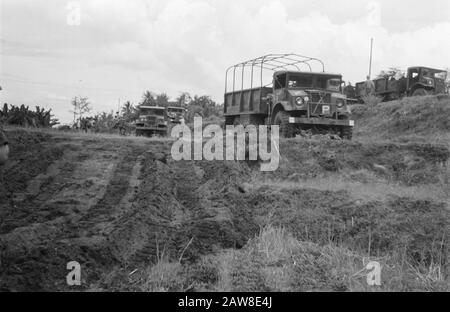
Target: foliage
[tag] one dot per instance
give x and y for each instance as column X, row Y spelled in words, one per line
column 391, row 72
column 447, row 81
column 129, row 112
column 81, row 106
column 23, row 116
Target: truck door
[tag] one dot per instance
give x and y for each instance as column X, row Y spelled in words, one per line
column 413, row 77
column 279, row 87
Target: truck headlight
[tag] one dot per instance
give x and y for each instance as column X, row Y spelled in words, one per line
column 340, row 103
column 299, row 100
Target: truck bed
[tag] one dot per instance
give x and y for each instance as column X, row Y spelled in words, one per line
column 246, row 101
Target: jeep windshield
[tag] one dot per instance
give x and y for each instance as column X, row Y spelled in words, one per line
column 315, row 81
column 152, row 111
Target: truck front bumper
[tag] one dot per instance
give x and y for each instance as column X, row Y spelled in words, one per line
column 322, row 121
column 159, row 128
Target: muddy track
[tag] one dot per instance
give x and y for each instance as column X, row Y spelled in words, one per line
column 113, row 205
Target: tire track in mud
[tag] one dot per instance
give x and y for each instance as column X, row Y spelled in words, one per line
column 178, row 202
column 81, row 185
column 109, row 205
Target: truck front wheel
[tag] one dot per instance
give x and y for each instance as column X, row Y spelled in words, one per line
column 282, row 120
column 346, row 133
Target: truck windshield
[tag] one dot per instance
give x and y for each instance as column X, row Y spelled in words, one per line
column 175, row 110
column 149, row 111
column 311, row 81
column 300, row 81
column 440, row 75
column 334, row 84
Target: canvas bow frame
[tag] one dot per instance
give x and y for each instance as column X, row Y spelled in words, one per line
column 272, row 62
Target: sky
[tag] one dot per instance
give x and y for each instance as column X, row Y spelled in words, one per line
column 113, row 50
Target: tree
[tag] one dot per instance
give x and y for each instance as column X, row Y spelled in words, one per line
column 23, row 116
column 184, row 99
column 148, row 99
column 129, row 112
column 162, row 100
column 391, row 72
column 81, row 105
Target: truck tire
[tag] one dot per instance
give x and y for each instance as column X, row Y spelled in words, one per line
column 282, row 120
column 420, row 92
column 346, row 133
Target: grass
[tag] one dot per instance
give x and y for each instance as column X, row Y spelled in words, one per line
column 373, row 188
column 276, row 261
column 423, row 119
column 89, row 135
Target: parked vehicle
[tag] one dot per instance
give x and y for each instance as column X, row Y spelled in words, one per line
column 151, row 121
column 418, row 81
column 175, row 114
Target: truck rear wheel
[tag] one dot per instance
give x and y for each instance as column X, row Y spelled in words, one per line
column 420, row 92
column 282, row 120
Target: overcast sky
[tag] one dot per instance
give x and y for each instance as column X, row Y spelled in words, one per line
column 122, row 48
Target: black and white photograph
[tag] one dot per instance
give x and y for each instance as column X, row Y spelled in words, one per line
column 225, row 151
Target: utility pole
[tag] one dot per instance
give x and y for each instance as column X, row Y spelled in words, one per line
column 370, row 61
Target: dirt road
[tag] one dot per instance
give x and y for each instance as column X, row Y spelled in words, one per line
column 119, row 205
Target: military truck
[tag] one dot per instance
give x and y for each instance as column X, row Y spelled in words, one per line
column 418, row 81
column 297, row 97
column 175, row 114
column 151, row 121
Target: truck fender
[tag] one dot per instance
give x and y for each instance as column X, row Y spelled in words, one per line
column 278, row 107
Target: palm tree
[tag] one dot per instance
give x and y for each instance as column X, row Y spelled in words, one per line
column 162, row 100
column 148, row 99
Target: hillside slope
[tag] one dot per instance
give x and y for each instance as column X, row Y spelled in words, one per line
column 425, row 119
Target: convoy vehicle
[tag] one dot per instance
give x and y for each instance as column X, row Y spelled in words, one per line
column 295, row 98
column 418, row 81
column 175, row 114
column 151, row 121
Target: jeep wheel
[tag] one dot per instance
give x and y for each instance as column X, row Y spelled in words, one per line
column 346, row 133
column 282, row 120
column 420, row 92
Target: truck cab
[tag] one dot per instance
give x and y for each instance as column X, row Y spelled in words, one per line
column 419, row 81
column 175, row 114
column 309, row 94
column 425, row 80
column 151, row 121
